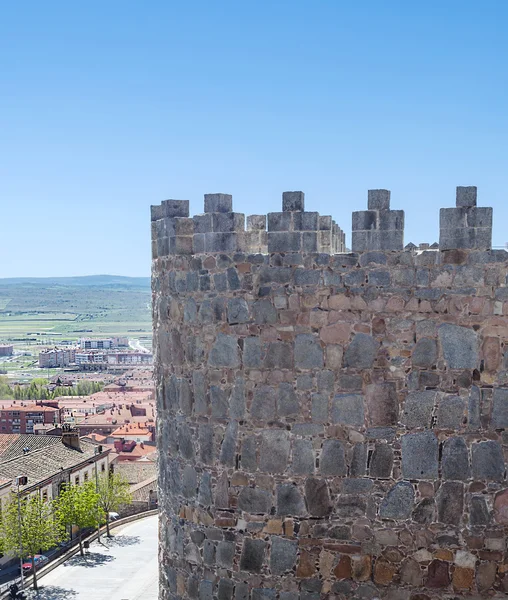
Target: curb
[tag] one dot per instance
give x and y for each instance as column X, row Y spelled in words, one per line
column 75, row 549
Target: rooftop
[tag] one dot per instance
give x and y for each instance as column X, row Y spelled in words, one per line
column 39, row 457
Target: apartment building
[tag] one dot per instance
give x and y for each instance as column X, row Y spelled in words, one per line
column 57, row 358
column 22, row 419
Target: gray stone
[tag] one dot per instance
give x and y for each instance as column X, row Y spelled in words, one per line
column 283, row 555
column 332, row 460
column 293, row 201
column 460, row 346
column 252, row 357
column 378, row 199
column 284, row 241
column 473, row 409
column 219, row 399
column 185, row 397
column 361, row 352
column 325, row 381
column 280, row 221
column 381, row 462
column 305, row 221
column 225, row 352
column 224, row 554
column 379, row 278
column 263, row 403
column 225, row 589
column 351, row 505
column 206, row 447
column 455, row 459
column 274, row 453
column 205, row 590
column 263, row 594
column 359, row 460
column 450, row 502
column 189, row 481
column 238, row 311
column 253, row 555
column 450, row 413
column 308, row 352
column 287, row 401
column 248, row 456
column 499, row 418
column 319, row 408
column 479, row 513
column 199, row 387
column 215, row 203
column 279, row 355
column 303, row 457
column 425, row 353
column 348, row 409
column 237, row 400
column 290, row 501
column 228, row 222
column 220, row 281
column 228, row 448
column 382, row 404
column 357, row 486
column 425, row 512
column 205, row 489
column 256, row 223
column 488, row 461
column 466, row 195
column 264, row 312
column 398, row 503
column 254, row 501
column 420, row 455
column 307, row 277
column 418, row 409
column 185, row 444
column 317, row 497
column 241, row 590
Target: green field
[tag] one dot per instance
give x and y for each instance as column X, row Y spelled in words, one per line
column 39, row 313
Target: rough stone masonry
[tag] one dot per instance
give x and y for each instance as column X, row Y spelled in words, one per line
column 332, row 424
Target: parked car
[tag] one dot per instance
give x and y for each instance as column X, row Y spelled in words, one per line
column 39, row 560
column 113, row 516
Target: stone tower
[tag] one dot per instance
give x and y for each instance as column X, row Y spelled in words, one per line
column 330, row 424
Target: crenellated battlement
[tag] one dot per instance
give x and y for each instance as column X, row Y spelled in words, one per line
column 379, row 228
column 220, row 229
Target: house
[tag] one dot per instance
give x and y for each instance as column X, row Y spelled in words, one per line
column 136, row 432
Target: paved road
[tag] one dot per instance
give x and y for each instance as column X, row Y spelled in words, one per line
column 125, row 570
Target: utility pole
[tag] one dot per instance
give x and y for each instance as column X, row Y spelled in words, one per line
column 97, row 451
column 21, row 480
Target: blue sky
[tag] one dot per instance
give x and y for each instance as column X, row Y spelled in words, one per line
column 108, row 107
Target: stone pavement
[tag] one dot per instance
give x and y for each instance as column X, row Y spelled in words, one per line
column 127, row 569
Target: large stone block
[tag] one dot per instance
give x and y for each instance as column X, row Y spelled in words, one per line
column 333, row 459
column 289, row 501
column 218, row 203
column 283, row 553
column 348, row 409
column 455, row 459
column 308, row 352
column 274, row 453
column 382, row 404
column 460, row 346
column 293, row 201
column 466, row 195
column 450, row 502
column 499, row 417
column 378, row 199
column 317, row 497
column 488, row 461
column 253, row 555
column 398, row 503
column 361, row 352
column 420, row 455
column 451, row 412
column 254, row 501
column 381, row 462
column 418, row 408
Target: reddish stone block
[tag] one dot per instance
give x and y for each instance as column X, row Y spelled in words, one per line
column 384, row 572
column 343, row 570
column 338, row 333
column 306, row 564
column 438, row 575
column 362, row 567
column 501, row 507
column 463, row 578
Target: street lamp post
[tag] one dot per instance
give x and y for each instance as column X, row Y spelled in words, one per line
column 97, row 451
column 20, row 480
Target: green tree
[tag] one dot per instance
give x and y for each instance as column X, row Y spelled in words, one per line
column 40, row 530
column 78, row 505
column 113, row 491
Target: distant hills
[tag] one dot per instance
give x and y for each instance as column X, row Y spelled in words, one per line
column 86, row 280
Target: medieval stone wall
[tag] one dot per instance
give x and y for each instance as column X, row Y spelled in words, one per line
column 330, row 425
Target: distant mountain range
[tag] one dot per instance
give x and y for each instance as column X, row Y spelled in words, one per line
column 86, row 280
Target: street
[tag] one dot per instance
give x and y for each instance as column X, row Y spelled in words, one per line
column 125, row 567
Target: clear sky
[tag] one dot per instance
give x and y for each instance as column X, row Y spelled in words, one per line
column 108, row 107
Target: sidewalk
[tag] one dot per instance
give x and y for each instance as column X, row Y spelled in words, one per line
column 124, row 567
